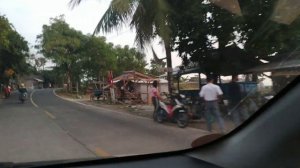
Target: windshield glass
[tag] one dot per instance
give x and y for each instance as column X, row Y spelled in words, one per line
column 97, row 79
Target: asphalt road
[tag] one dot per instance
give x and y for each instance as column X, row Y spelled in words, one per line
column 47, row 128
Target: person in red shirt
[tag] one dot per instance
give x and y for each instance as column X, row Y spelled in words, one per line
column 6, row 91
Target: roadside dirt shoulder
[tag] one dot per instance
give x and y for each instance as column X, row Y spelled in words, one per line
column 139, row 110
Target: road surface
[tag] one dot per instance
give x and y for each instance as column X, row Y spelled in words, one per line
column 47, row 128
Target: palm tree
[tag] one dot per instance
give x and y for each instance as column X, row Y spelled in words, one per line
column 148, row 17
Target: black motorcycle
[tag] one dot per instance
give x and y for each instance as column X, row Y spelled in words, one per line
column 195, row 108
column 23, row 97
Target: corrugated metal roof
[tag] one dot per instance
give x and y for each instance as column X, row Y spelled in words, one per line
column 39, row 80
column 277, row 66
column 133, row 75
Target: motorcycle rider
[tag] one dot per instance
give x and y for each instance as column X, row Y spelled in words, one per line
column 6, row 91
column 22, row 90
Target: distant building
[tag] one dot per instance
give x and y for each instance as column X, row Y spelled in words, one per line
column 32, row 81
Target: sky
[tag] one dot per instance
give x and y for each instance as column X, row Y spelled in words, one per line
column 28, row 17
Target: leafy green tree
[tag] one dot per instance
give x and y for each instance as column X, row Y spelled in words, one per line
column 99, row 57
column 13, row 52
column 201, row 32
column 54, row 76
column 61, row 44
column 129, row 59
column 263, row 35
column 40, row 62
column 4, row 32
column 84, row 57
column 149, row 18
column 155, row 69
column 209, row 35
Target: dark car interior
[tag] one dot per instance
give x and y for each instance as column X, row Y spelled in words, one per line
column 270, row 138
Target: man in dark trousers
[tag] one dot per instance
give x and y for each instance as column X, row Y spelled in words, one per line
column 235, row 96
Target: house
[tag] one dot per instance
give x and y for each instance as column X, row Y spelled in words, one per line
column 32, row 81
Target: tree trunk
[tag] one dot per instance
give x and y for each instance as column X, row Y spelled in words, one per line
column 169, row 66
column 69, row 84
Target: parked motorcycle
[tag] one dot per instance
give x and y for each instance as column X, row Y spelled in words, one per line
column 195, row 108
column 172, row 111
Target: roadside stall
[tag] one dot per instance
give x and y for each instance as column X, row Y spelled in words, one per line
column 133, row 87
column 95, row 90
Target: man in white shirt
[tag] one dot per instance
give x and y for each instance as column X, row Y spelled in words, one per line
column 211, row 94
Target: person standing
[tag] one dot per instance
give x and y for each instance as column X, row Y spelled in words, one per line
column 122, row 90
column 211, row 94
column 9, row 89
column 235, row 96
column 155, row 97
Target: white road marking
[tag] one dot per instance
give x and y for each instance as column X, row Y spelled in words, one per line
column 50, row 115
column 102, row 153
column 35, row 105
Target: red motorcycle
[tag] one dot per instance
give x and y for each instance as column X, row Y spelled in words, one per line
column 173, row 111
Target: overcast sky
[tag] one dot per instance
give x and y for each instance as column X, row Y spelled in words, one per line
column 28, row 16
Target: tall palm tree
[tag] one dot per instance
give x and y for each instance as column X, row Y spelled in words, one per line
column 148, row 17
